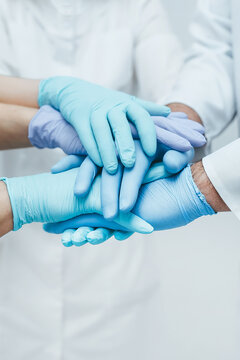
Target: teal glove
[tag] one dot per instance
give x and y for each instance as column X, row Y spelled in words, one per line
column 50, row 198
column 166, row 204
column 96, row 113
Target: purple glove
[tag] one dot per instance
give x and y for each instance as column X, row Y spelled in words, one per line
column 48, row 129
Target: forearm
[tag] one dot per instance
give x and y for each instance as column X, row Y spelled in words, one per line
column 207, row 189
column 19, row 91
column 192, row 114
column 14, row 122
column 6, row 217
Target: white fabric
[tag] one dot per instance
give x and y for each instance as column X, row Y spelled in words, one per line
column 210, row 83
column 223, row 169
column 93, row 302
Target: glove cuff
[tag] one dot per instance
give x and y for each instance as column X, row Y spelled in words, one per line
column 17, row 221
column 203, row 206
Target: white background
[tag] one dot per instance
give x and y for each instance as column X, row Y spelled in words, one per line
column 200, row 267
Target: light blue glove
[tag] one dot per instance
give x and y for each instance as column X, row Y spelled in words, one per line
column 96, row 113
column 125, row 184
column 50, row 198
column 165, row 204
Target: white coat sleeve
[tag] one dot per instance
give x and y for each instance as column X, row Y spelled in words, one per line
column 158, row 54
column 223, row 169
column 206, row 81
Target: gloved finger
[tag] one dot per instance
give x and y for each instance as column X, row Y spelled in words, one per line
column 99, row 236
column 133, row 223
column 124, row 222
column 154, row 109
column 156, row 172
column 85, row 177
column 110, row 187
column 67, row 237
column 178, row 114
column 104, row 140
column 172, row 140
column 79, row 237
column 81, row 121
column 185, row 121
column 195, row 138
column 175, row 161
column 93, row 220
column 67, row 163
column 132, row 179
column 122, row 235
column 123, row 137
column 145, row 127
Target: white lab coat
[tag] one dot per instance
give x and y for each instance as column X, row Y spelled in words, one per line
column 210, row 83
column 92, row 302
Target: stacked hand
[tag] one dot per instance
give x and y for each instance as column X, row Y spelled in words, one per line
column 165, row 204
column 49, row 129
column 97, row 113
column 101, row 124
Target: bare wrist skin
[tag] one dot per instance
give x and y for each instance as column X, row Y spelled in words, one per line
column 178, row 107
column 18, row 91
column 207, row 189
column 14, row 122
column 6, row 216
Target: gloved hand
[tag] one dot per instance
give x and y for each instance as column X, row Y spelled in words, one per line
column 50, row 198
column 125, row 184
column 96, row 112
column 165, row 204
column 48, row 129
column 132, row 179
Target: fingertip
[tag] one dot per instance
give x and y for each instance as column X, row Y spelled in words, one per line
column 67, row 243
column 151, row 150
column 175, row 161
column 111, row 168
column 56, row 169
column 67, row 238
column 129, row 160
column 50, row 228
column 125, row 205
column 110, row 213
column 166, row 110
column 81, row 190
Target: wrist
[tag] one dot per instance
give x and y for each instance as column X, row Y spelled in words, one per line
column 6, row 216
column 207, row 189
column 191, row 113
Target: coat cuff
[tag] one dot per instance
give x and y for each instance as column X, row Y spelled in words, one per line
column 223, row 170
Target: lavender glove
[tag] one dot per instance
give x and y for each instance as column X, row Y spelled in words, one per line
column 48, row 129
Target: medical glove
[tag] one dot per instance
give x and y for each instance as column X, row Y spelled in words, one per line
column 48, row 129
column 125, row 184
column 93, row 229
column 98, row 114
column 166, row 204
column 50, row 198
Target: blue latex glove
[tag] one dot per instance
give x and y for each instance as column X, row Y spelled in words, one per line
column 96, row 113
column 165, row 204
column 48, row 129
column 50, row 198
column 125, row 184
